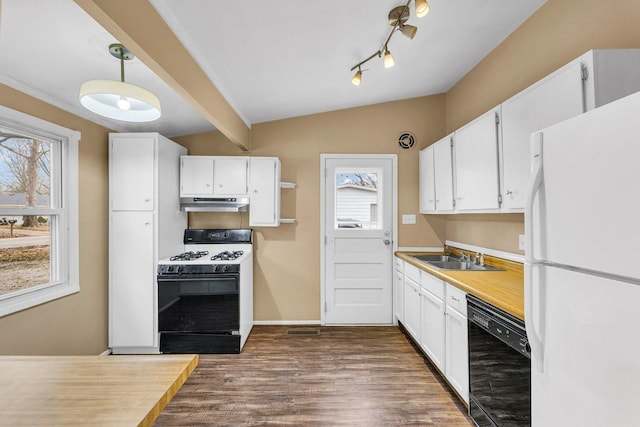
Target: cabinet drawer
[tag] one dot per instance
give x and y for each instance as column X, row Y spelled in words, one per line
column 432, row 284
column 412, row 272
column 398, row 264
column 457, row 299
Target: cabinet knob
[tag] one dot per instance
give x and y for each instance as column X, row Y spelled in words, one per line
column 147, row 199
column 147, row 223
column 509, row 192
column 207, row 185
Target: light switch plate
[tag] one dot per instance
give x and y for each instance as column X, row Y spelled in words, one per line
column 521, row 242
column 408, row 219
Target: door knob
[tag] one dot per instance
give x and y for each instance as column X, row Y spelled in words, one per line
column 387, row 242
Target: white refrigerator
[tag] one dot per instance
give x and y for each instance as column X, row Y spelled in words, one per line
column 582, row 269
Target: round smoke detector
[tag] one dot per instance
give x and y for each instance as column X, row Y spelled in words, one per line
column 406, row 140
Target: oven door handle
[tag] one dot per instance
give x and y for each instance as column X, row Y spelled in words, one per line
column 196, row 279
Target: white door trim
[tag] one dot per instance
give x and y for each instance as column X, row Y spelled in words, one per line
column 394, row 186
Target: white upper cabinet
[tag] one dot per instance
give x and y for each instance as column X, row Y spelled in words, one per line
column 476, row 157
column 230, row 175
column 548, row 102
column 427, row 181
column 132, row 173
column 210, row 176
column 264, row 192
column 436, row 177
column 594, row 79
column 196, row 176
column 443, row 166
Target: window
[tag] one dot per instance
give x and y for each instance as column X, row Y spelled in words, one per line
column 38, row 211
column 357, row 199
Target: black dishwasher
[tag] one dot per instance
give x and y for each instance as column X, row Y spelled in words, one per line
column 499, row 367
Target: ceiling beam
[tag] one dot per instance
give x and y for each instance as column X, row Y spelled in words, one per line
column 137, row 25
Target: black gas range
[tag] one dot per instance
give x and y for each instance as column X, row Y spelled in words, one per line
column 205, row 294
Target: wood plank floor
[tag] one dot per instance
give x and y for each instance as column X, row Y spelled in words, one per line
column 343, row 376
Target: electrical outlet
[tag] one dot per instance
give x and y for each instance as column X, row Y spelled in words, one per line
column 408, row 219
column 521, row 242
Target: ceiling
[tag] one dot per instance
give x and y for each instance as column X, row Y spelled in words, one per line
column 270, row 59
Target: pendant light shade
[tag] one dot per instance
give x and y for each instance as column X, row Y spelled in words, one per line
column 119, row 100
column 109, row 98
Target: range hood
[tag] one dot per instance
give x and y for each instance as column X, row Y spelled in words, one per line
column 214, row 204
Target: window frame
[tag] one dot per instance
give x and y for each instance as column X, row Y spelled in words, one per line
column 65, row 246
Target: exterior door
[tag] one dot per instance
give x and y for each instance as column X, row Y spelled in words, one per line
column 359, row 239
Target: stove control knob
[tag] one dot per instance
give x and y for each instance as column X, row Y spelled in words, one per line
column 179, row 269
column 226, row 268
column 170, row 268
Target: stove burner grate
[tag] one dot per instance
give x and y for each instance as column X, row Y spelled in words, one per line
column 188, row 256
column 227, row 256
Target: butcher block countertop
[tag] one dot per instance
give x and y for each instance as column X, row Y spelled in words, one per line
column 502, row 289
column 89, row 390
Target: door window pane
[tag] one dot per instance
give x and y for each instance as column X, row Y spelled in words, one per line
column 358, row 204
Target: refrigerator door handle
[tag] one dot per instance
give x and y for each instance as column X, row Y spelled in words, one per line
column 536, row 340
column 534, row 186
column 530, row 314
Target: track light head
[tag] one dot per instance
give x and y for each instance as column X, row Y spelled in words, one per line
column 388, row 59
column 422, row 8
column 357, row 78
column 408, row 31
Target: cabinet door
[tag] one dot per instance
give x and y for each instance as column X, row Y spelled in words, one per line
column 476, row 154
column 230, row 175
column 398, row 291
column 427, row 181
column 412, row 308
column 432, row 328
column 131, row 173
column 196, row 176
column 132, row 273
column 548, row 102
column 264, row 206
column 456, row 367
column 443, row 167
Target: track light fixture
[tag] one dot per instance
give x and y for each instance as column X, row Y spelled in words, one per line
column 397, row 19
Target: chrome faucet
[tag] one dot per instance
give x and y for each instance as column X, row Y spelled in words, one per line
column 464, row 257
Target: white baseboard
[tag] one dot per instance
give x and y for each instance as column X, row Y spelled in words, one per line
column 287, row 322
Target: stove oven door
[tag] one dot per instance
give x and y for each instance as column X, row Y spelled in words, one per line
column 199, row 314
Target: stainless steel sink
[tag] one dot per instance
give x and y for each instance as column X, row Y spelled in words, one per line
column 437, row 258
column 462, row 265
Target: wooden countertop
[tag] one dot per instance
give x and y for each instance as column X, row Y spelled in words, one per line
column 502, row 289
column 89, row 390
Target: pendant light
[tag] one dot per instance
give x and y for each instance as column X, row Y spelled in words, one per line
column 119, row 100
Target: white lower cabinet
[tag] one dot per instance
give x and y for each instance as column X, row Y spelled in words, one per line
column 412, row 308
column 432, row 327
column 398, row 290
column 132, row 322
column 457, row 346
column 435, row 317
